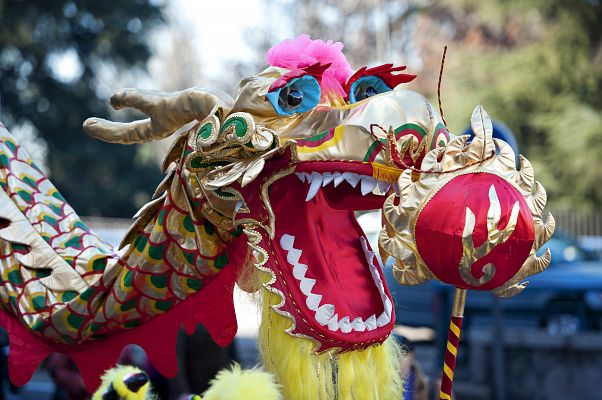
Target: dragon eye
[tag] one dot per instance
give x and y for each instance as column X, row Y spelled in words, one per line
column 367, row 86
column 369, row 92
column 290, row 97
column 297, row 96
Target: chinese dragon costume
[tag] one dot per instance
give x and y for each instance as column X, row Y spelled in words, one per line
column 260, row 190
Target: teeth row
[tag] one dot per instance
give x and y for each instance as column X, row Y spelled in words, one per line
column 317, row 180
column 371, row 258
column 326, row 314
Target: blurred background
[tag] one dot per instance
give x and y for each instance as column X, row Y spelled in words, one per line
column 535, row 65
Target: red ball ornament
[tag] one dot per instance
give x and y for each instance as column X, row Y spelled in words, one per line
column 475, row 232
column 468, row 217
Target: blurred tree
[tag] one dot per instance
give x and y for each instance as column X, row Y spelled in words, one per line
column 55, row 58
column 536, row 65
column 175, row 65
column 373, row 31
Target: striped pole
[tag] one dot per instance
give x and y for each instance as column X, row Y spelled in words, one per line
column 453, row 340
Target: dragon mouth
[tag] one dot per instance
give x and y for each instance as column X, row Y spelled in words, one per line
column 333, row 283
column 327, row 314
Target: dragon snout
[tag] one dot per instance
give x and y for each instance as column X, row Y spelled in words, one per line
column 391, row 131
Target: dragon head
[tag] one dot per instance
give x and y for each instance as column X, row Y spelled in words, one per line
column 304, row 145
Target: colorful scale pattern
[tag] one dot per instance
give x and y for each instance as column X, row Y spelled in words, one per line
column 170, row 258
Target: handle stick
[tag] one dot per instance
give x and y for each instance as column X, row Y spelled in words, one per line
column 453, row 340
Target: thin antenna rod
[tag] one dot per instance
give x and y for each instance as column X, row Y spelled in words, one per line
column 439, row 86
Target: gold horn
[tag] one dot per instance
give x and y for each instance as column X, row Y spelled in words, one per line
column 168, row 111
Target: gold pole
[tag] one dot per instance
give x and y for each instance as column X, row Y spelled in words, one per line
column 459, row 302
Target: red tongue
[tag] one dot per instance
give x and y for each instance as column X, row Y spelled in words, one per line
column 330, row 243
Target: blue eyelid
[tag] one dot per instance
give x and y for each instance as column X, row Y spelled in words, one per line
column 372, row 80
column 311, row 95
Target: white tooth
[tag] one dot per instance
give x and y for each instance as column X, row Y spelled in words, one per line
column 286, row 242
column 383, row 297
column 301, row 176
column 324, row 314
column 328, row 177
column 383, row 187
column 351, row 178
column 368, row 185
column 293, row 256
column 338, row 178
column 333, row 323
column 307, row 284
column 238, row 205
column 358, row 325
column 383, row 319
column 313, row 301
column 364, row 244
column 378, row 281
column 371, row 323
column 299, row 271
column 316, row 183
column 388, row 306
column 374, row 273
column 345, row 325
column 367, row 252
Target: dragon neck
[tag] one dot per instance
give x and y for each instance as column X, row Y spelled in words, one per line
column 172, row 228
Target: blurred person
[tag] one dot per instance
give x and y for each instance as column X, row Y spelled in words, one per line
column 415, row 382
column 12, row 389
column 68, row 381
column 65, row 375
column 199, row 359
column 417, row 385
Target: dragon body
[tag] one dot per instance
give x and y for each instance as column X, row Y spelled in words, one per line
column 260, row 190
column 89, row 290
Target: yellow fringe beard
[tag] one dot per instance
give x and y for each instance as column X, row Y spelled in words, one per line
column 369, row 374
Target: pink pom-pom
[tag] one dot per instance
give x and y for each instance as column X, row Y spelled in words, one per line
column 303, row 51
